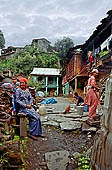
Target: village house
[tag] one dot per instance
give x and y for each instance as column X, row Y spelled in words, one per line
column 49, row 77
column 96, row 52
column 98, row 47
column 42, row 44
column 9, row 52
column 75, row 72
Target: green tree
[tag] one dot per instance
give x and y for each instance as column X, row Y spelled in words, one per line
column 2, row 40
column 62, row 46
column 26, row 59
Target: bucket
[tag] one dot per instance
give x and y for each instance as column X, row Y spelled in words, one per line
column 42, row 109
column 85, row 108
column 80, row 110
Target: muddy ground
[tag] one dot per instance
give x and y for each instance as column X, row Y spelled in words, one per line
column 55, row 140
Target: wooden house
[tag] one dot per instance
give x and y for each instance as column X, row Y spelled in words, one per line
column 100, row 45
column 96, row 52
column 75, row 72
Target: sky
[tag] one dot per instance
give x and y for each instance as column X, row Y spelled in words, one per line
column 23, row 20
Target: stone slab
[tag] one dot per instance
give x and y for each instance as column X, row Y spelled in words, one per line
column 70, row 125
column 51, row 123
column 44, row 118
column 59, row 118
column 73, row 115
column 57, row 160
column 87, row 128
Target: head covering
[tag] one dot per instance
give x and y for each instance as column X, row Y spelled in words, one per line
column 95, row 71
column 25, row 81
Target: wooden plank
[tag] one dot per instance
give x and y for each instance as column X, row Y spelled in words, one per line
column 23, row 132
column 13, row 166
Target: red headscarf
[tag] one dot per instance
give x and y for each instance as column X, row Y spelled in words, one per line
column 25, row 81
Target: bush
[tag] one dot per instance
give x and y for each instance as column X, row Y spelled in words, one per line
column 83, row 162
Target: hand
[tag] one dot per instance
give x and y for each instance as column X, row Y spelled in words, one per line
column 28, row 106
column 97, row 89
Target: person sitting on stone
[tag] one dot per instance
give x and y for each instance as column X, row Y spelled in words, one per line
column 24, row 104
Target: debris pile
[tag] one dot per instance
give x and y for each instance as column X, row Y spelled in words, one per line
column 5, row 111
column 10, row 154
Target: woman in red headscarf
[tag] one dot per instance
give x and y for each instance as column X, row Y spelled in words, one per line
column 24, row 102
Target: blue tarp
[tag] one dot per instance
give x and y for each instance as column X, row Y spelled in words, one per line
column 49, row 101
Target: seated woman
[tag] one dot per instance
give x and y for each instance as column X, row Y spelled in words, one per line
column 24, row 104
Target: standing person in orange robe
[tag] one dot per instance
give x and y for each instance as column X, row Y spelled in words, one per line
column 92, row 98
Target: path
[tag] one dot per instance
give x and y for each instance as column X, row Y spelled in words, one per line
column 56, row 140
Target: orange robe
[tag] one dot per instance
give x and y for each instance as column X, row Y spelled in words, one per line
column 92, row 98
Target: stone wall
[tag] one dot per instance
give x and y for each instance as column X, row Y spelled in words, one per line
column 101, row 158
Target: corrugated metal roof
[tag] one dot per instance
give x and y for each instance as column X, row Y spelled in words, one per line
column 46, row 71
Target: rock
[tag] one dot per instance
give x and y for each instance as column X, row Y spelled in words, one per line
column 89, row 136
column 58, row 118
column 57, row 160
column 84, row 119
column 84, row 114
column 87, row 128
column 51, row 123
column 73, row 115
column 42, row 163
column 75, row 155
column 44, row 118
column 70, row 125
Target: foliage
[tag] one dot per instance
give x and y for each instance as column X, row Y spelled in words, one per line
column 84, row 162
column 3, row 158
column 46, row 94
column 62, row 46
column 35, row 84
column 16, row 138
column 25, row 60
column 2, row 40
column 102, row 53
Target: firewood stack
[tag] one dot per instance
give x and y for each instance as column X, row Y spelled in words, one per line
column 8, row 146
column 5, row 110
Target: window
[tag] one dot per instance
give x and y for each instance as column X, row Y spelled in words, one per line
column 50, row 80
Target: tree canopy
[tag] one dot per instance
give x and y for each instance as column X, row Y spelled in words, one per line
column 2, row 40
column 25, row 60
column 62, row 46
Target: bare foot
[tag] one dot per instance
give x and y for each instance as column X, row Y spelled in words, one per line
column 33, row 137
column 42, row 136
